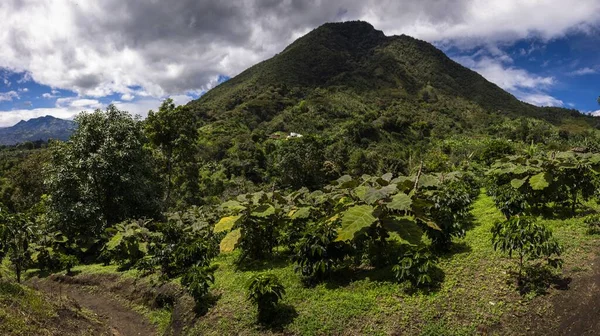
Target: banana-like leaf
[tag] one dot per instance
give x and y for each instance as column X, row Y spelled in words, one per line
column 230, row 241
column 354, row 220
column 226, row 223
column 303, row 212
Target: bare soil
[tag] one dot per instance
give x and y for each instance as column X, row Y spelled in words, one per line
column 117, row 319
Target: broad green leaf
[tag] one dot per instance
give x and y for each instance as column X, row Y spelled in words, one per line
column 400, row 202
column 303, row 212
column 361, row 192
column 373, row 195
column 230, row 241
column 354, row 220
column 264, row 210
column 233, row 206
column 388, row 177
column 226, row 223
column 427, row 181
column 114, row 241
column 539, row 181
column 518, row 183
column 143, row 247
column 407, row 229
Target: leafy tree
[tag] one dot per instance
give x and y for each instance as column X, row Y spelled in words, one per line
column 16, row 236
column 101, row 176
column 298, row 162
column 528, row 239
column 265, row 291
column 173, row 131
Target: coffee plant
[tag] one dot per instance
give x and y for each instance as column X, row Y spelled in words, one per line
column 265, row 291
column 528, row 240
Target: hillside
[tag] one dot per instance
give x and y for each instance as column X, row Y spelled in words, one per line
column 42, row 128
column 365, row 94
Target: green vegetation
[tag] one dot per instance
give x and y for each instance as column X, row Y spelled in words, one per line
column 369, row 178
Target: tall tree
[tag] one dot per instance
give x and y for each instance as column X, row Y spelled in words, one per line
column 101, row 176
column 173, row 132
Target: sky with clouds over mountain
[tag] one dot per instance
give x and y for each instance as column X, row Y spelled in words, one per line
column 59, row 57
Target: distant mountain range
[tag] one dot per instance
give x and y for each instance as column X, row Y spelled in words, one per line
column 42, row 128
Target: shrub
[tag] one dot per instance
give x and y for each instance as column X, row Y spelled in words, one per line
column 527, row 239
column 317, row 254
column 415, row 266
column 265, row 291
column 197, row 280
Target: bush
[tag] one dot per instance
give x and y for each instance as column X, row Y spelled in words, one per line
column 415, row 266
column 529, row 240
column 265, row 291
column 317, row 254
column 197, row 280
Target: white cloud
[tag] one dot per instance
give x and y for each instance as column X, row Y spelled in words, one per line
column 541, row 99
column 101, row 48
column 127, row 97
column 48, row 95
column 8, row 96
column 23, row 90
column 595, row 113
column 524, row 85
column 583, row 71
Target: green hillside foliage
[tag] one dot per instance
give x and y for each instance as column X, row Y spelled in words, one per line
column 369, row 178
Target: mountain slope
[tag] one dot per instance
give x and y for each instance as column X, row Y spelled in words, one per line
column 372, row 103
column 42, row 128
column 355, row 55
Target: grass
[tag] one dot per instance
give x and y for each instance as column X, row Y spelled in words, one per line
column 477, row 294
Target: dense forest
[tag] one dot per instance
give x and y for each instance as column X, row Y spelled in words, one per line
column 349, row 156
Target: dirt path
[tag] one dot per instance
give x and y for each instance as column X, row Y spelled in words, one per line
column 119, row 319
column 579, row 310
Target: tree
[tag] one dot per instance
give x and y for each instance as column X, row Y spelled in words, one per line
column 16, row 235
column 173, row 132
column 101, row 176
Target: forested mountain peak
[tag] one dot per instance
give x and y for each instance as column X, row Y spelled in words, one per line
column 356, row 58
column 41, row 128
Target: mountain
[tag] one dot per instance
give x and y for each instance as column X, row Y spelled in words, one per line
column 42, row 128
column 370, row 99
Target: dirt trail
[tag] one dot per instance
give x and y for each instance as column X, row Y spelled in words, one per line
column 119, row 319
column 579, row 309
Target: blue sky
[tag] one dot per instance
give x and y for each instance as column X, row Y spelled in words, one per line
column 72, row 56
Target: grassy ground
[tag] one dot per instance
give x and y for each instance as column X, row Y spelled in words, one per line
column 477, row 293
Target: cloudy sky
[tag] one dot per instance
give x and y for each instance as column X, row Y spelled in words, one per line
column 58, row 57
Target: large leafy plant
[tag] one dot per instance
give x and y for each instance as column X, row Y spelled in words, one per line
column 253, row 224
column 129, row 242
column 532, row 183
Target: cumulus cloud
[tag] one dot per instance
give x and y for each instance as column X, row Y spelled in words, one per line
column 524, row 85
column 8, row 96
column 97, row 48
